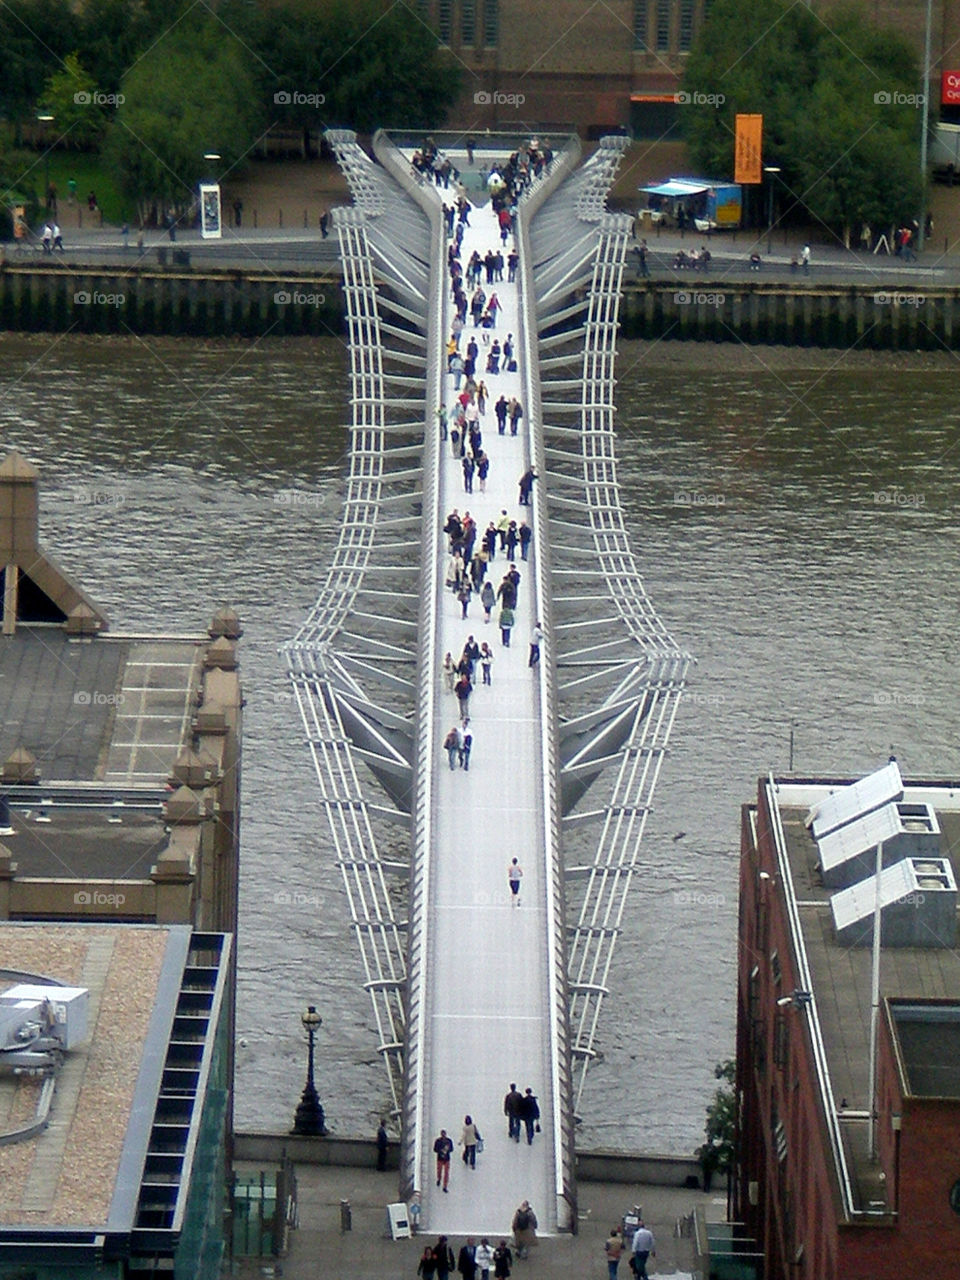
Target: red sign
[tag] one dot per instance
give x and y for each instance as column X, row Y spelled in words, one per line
column 950, row 89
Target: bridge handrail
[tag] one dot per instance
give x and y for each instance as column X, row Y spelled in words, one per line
column 561, row 1079
column 594, row 265
column 412, row 1154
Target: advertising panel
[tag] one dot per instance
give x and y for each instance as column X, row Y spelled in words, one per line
column 748, row 149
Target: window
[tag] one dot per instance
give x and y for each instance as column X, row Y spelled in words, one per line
column 468, row 21
column 663, row 26
column 686, row 25
column 445, row 21
column 423, row 10
column 640, row 24
column 775, row 967
column 491, row 23
column 781, row 1040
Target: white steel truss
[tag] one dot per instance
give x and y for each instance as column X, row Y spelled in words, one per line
column 621, row 674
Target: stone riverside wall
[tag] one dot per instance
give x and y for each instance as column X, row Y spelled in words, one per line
column 169, row 301
column 842, row 316
column 176, row 300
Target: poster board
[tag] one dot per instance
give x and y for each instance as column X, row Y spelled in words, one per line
column 210, row 221
column 398, row 1222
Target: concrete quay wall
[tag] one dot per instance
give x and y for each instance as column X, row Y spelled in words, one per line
column 178, row 300
column 175, row 301
column 704, row 308
column 357, row 1153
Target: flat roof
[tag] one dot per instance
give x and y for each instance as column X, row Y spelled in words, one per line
column 65, row 842
column 89, row 1160
column 841, row 975
column 112, row 709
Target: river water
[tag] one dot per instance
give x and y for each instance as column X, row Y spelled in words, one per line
column 795, row 517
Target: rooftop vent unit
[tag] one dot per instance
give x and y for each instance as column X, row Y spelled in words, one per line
column 918, row 905
column 39, row 1022
column 856, row 800
column 906, row 829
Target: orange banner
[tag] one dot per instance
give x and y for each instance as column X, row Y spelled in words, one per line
column 748, row 149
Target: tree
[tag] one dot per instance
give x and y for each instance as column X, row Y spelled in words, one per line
column 839, row 99
column 718, row 1153
column 35, row 37
column 77, row 104
column 191, row 94
column 360, row 64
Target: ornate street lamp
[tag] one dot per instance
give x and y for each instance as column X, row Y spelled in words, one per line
column 310, row 1120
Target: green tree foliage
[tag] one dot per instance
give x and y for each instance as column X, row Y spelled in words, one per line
column 194, row 92
column 77, row 104
column 35, row 38
column 373, row 65
column 839, row 99
column 718, row 1151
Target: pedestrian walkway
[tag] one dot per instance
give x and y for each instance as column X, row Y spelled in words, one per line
column 487, row 1034
column 318, row 1248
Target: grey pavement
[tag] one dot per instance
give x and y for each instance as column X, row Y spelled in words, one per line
column 267, row 249
column 318, row 1248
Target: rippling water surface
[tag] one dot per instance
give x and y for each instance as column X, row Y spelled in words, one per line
column 796, row 524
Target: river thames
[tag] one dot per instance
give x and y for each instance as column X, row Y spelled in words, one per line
column 795, row 516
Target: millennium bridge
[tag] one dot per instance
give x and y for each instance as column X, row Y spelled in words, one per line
column 471, row 989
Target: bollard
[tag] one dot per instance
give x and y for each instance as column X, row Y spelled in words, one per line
column 346, row 1218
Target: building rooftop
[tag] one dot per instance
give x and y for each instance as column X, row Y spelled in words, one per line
column 109, row 710
column 840, row 974
column 83, row 1169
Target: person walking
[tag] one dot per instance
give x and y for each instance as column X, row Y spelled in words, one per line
column 513, row 537
column 452, row 746
column 536, row 639
column 805, row 259
column 500, row 409
column 525, row 534
column 524, row 1229
column 469, row 467
column 467, row 1261
column 530, row 1115
column 502, row 1261
column 443, row 1150
column 488, row 599
column 444, row 1256
column 506, row 625
column 466, row 745
column 427, row 1266
column 514, row 876
column 512, row 1105
column 469, row 1137
column 484, row 1258
column 526, row 486
column 383, row 1141
column 450, row 671
column 644, row 1247
column 463, row 689
column 613, row 1249
column 516, row 413
column 464, row 592
column 486, row 661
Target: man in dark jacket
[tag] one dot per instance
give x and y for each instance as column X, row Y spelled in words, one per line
column 467, row 1261
column 530, row 1113
column 512, row 1105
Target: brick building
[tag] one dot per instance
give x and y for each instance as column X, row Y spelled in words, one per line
column 601, row 67
column 848, row 1161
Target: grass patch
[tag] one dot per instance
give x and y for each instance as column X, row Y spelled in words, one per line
column 90, row 173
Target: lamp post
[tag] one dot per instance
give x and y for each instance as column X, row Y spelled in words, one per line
column 773, row 170
column 310, row 1120
column 45, row 120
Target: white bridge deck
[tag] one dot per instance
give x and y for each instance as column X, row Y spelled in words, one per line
column 487, row 976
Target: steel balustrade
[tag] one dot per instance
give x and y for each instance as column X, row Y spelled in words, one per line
column 627, row 654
